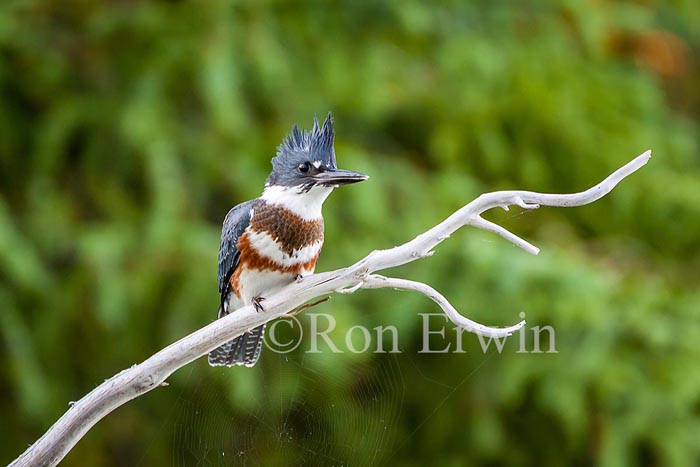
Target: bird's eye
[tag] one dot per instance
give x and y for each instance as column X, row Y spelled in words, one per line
column 304, row 167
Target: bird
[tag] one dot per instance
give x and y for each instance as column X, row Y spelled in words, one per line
column 274, row 240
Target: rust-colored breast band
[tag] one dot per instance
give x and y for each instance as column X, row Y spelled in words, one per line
column 251, row 260
column 290, row 230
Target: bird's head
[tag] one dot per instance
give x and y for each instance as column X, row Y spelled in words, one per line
column 305, row 161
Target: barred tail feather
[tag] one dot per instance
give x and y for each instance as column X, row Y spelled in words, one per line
column 243, row 350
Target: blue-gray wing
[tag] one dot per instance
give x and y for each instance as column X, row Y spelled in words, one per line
column 244, row 349
column 235, row 224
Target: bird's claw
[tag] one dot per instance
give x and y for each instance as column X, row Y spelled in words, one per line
column 257, row 304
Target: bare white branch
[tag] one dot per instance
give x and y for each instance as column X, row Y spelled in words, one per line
column 376, row 281
column 151, row 373
column 482, row 223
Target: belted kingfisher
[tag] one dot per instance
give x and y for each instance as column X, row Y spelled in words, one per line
column 269, row 242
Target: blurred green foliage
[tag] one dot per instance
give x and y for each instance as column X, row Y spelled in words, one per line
column 129, row 128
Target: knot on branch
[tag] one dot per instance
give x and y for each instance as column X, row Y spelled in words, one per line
column 145, row 383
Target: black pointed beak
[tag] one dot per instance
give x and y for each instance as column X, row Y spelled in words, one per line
column 336, row 177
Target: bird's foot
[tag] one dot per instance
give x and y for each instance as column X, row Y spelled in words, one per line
column 257, row 304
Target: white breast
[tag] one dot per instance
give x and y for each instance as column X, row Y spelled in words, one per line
column 306, row 205
column 253, row 283
column 268, row 247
